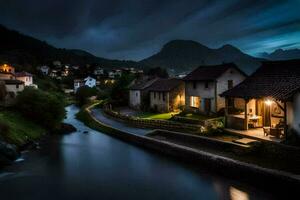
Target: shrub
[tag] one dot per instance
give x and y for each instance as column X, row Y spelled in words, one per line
column 42, row 107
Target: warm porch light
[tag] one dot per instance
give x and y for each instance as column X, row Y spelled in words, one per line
column 268, row 102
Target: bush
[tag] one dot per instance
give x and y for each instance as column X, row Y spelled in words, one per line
column 83, row 94
column 42, row 107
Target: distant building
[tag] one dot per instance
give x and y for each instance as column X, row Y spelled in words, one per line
column 88, row 81
column 99, row 71
column 25, row 77
column 57, row 63
column 204, row 85
column 167, row 95
column 44, row 69
column 139, row 94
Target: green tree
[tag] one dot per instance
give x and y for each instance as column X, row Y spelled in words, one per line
column 42, row 107
column 119, row 92
column 158, row 72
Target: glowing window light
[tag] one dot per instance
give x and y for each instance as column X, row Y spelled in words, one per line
column 268, row 102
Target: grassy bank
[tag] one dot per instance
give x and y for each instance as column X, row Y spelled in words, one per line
column 18, row 130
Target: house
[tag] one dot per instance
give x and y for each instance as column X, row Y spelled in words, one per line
column 44, row 69
column 115, row 73
column 9, row 90
column 88, row 81
column 7, row 68
column 139, row 93
column 267, row 101
column 25, row 77
column 167, row 95
column 99, row 71
column 204, row 84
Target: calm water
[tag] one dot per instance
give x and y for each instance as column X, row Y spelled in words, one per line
column 96, row 166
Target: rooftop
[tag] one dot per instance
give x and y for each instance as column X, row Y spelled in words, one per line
column 210, row 72
column 22, row 74
column 165, row 85
column 276, row 79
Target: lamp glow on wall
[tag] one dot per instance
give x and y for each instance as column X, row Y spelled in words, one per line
column 268, row 102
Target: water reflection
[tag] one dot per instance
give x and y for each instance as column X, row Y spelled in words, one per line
column 97, row 166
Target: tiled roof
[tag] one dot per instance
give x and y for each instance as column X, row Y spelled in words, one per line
column 210, row 72
column 276, row 79
column 165, row 85
column 12, row 82
column 22, row 74
column 143, row 85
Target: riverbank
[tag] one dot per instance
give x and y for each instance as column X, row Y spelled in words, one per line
column 19, row 130
column 224, row 165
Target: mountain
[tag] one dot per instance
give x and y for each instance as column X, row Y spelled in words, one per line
column 184, row 55
column 281, row 54
column 21, row 49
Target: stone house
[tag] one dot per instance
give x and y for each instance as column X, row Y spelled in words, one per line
column 167, row 95
column 204, row 85
column 25, row 77
column 268, row 101
column 88, row 81
column 139, row 94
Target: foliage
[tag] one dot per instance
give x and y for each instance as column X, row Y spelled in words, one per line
column 45, row 108
column 83, row 93
column 158, row 72
column 119, row 92
column 16, row 129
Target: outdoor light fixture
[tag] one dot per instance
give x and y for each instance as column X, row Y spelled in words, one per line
column 268, row 102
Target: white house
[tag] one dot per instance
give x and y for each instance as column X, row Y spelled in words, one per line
column 88, row 81
column 25, row 77
column 204, row 85
column 98, row 71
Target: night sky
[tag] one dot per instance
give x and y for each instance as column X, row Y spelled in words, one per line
column 135, row 29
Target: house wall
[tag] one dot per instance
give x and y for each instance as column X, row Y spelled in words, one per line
column 222, row 84
column 293, row 116
column 26, row 79
column 90, row 82
column 199, row 91
column 158, row 103
column 177, row 97
column 135, row 99
column 213, row 91
column 14, row 88
column 5, row 76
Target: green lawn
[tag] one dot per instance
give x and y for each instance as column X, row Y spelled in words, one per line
column 20, row 130
column 195, row 116
column 148, row 115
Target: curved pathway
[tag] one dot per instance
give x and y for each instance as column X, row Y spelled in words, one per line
column 99, row 114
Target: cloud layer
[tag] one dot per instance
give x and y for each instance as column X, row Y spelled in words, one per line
column 135, row 29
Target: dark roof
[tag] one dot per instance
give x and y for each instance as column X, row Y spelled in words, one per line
column 210, row 72
column 165, row 85
column 12, row 82
column 143, row 85
column 21, row 74
column 276, row 79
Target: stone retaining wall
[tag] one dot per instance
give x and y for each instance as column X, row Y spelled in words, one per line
column 146, row 123
column 266, row 178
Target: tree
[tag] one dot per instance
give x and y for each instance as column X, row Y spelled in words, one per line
column 119, row 92
column 158, row 72
column 83, row 93
column 42, row 107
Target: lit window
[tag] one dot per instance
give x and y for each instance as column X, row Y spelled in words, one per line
column 194, row 101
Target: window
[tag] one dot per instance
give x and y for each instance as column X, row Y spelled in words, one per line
column 230, row 84
column 206, row 85
column 194, row 101
column 17, row 86
column 159, row 95
column 194, row 85
column 136, row 94
column 154, row 95
column 164, row 96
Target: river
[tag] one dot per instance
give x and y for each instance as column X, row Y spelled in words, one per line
column 96, row 166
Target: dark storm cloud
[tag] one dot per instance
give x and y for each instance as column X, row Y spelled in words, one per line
column 137, row 28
